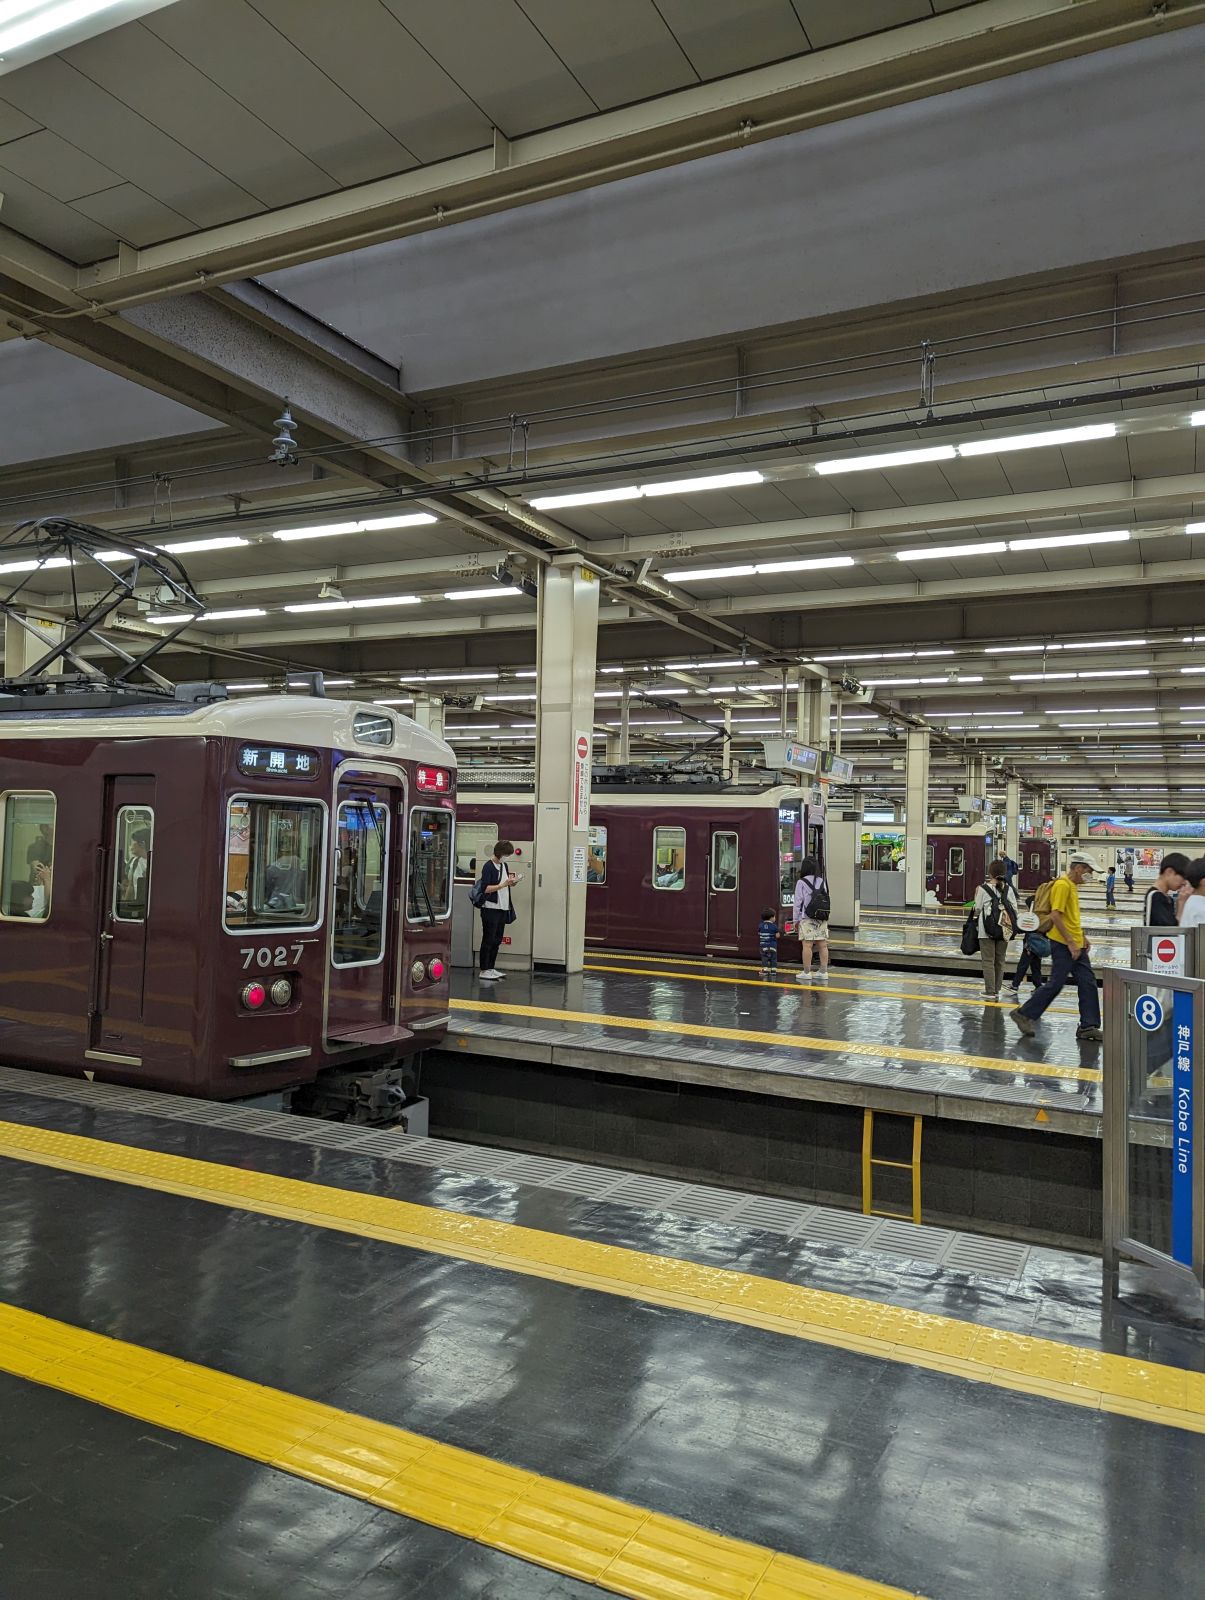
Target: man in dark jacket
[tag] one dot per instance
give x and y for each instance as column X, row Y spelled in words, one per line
column 1162, row 898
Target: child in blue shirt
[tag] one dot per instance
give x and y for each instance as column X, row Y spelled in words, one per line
column 767, row 940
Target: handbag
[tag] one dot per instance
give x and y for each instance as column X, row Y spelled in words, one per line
column 970, row 935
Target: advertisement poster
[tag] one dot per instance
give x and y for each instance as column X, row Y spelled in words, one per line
column 1146, row 827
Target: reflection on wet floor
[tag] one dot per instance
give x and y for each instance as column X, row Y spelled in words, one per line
column 938, row 935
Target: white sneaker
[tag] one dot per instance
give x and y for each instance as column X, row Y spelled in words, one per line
column 488, row 977
column 804, row 977
column 822, row 977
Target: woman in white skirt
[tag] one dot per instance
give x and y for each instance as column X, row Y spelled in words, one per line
column 811, row 916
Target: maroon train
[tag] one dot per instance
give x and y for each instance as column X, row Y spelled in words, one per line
column 226, row 898
column 956, row 858
column 678, row 870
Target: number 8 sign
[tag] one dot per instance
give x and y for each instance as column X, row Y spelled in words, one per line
column 1148, row 1013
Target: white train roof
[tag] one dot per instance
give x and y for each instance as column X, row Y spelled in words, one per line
column 265, row 719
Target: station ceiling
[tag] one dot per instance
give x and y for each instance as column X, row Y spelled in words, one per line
column 1028, row 585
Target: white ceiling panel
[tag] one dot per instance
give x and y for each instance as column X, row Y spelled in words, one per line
column 619, row 52
column 831, row 21
column 60, row 169
column 723, row 36
column 254, row 61
column 132, row 215
column 138, row 68
column 15, row 124
column 31, row 211
column 499, row 59
column 90, row 117
column 364, row 47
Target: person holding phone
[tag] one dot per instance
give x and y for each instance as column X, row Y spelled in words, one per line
column 497, row 881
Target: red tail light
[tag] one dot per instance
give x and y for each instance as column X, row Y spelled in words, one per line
column 435, row 970
column 254, row 996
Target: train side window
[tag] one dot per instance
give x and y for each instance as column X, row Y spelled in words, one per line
column 669, row 858
column 928, row 861
column 957, row 862
column 1035, row 862
column 429, row 887
column 274, row 858
column 27, row 854
column 359, row 888
column 725, row 861
column 596, row 856
column 475, row 843
column 133, row 842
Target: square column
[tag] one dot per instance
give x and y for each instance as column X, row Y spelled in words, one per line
column 428, row 712
column 566, row 651
column 1012, row 819
column 916, row 815
column 814, row 706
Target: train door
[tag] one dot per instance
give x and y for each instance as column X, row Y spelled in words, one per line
column 723, row 890
column 361, row 992
column 956, row 873
column 126, row 870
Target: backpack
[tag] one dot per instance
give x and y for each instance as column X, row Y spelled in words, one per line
column 819, row 906
column 991, row 915
column 1041, row 907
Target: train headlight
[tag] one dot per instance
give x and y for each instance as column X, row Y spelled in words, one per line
column 254, row 995
column 281, row 992
column 435, row 969
column 418, row 971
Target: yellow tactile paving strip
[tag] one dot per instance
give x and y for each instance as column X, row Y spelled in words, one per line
column 792, row 1041
column 622, row 1548
column 979, row 1003
column 1076, row 1376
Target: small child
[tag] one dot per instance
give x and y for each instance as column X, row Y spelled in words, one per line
column 767, row 939
column 1034, row 948
column 1111, row 889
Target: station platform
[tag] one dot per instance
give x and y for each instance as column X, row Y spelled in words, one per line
column 927, row 941
column 702, row 1069
column 245, row 1355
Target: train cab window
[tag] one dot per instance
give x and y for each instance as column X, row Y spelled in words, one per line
column 369, row 727
column 929, row 863
column 725, row 861
column 669, row 858
column 274, row 855
column 429, row 890
column 361, row 867
column 27, row 855
column 956, row 865
column 1035, row 862
column 475, row 843
column 596, row 856
column 133, row 841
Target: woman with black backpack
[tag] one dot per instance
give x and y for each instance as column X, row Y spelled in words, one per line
column 812, row 905
column 995, row 910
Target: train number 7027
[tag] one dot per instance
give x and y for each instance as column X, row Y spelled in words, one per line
column 281, row 955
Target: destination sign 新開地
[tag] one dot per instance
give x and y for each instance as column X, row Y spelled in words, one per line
column 277, row 761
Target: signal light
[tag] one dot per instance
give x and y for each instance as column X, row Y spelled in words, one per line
column 435, row 970
column 254, row 995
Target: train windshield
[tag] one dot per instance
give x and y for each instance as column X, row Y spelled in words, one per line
column 273, row 863
column 790, row 848
column 429, row 895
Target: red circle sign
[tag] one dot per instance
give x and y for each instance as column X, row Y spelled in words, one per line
column 583, row 748
column 1166, row 950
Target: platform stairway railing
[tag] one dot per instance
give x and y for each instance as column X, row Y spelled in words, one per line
column 1154, row 1175
column 870, row 1161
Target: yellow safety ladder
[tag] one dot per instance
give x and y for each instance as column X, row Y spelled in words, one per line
column 870, row 1161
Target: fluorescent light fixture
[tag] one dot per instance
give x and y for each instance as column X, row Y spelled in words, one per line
column 330, row 530
column 700, row 573
column 1105, row 644
column 396, row 700
column 506, row 699
column 1101, row 711
column 453, row 677
column 721, row 480
column 1194, row 527
column 1117, row 672
column 36, row 566
column 1038, row 441
column 1017, row 649
column 476, row 727
column 336, row 683
column 813, row 564
column 1038, row 677
column 935, row 552
column 879, row 463
column 587, row 497
column 496, row 591
column 228, row 616
column 117, row 555
column 695, row 666
column 245, row 686
column 1188, row 671
column 357, row 605
column 1061, row 541
column 1108, row 723
column 196, row 546
column 1197, row 420
column 882, row 683
column 48, row 19
column 161, row 618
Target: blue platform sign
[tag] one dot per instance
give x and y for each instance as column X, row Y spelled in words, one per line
column 1148, row 1013
column 1183, row 1154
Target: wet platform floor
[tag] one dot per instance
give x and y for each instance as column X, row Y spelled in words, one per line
column 818, row 1442
column 934, row 1038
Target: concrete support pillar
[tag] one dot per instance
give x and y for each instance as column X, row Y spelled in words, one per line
column 726, row 742
column 1060, row 843
column 814, row 705
column 566, row 651
column 1012, row 819
column 916, row 815
column 837, row 705
column 977, row 777
column 625, row 725
column 784, row 716
column 27, row 641
column 613, row 757
column 428, row 712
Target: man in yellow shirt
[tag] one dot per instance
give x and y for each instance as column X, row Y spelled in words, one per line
column 1069, row 961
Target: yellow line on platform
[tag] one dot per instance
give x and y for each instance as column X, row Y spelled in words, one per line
column 623, row 1548
column 1088, row 1378
column 794, row 986
column 792, row 1041
column 848, row 974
